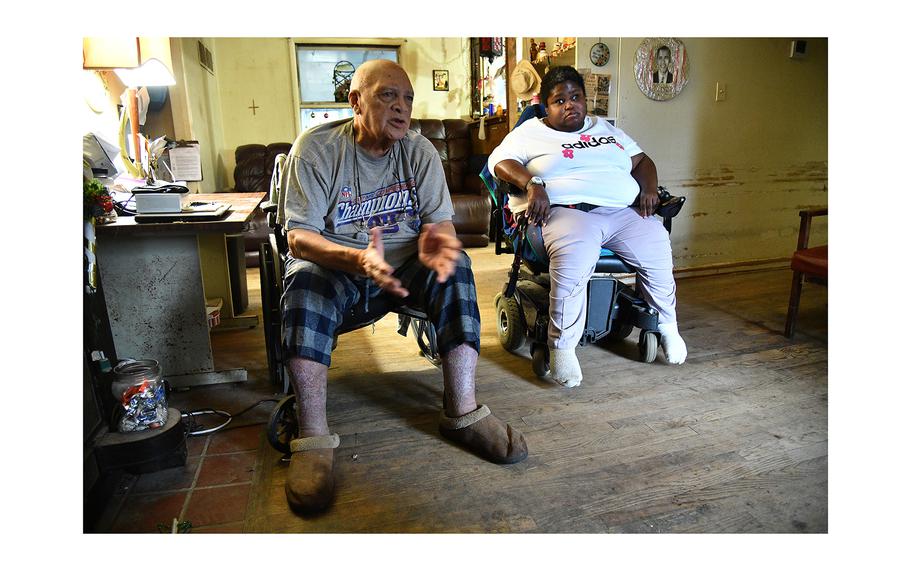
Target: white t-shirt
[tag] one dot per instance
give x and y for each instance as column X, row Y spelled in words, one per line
column 591, row 165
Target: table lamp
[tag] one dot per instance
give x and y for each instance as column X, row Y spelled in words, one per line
column 138, row 62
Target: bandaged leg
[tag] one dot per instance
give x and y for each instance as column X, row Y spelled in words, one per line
column 672, row 343
column 572, row 239
column 565, row 368
column 645, row 244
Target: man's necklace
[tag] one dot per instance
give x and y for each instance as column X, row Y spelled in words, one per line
column 362, row 218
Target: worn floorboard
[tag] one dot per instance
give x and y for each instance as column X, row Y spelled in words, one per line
column 734, row 440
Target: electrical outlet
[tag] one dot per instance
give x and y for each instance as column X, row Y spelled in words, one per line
column 720, row 92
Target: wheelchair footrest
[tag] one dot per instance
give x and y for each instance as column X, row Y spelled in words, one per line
column 636, row 311
column 601, row 296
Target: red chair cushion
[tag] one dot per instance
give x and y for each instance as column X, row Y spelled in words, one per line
column 812, row 261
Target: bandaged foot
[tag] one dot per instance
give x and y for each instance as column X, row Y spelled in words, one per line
column 564, row 367
column 672, row 343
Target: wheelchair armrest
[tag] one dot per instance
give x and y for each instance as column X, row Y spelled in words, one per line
column 671, row 207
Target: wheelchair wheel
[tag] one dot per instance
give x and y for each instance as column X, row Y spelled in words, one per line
column 271, row 315
column 426, row 340
column 282, row 426
column 510, row 327
column 647, row 346
column 540, row 360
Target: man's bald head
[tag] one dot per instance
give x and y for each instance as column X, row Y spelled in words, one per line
column 381, row 96
column 373, row 70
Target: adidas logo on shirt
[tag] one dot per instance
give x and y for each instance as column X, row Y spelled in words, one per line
column 588, row 141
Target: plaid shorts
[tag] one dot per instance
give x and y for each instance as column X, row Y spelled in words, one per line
column 316, row 300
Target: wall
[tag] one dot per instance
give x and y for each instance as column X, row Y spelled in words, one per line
column 196, row 104
column 254, row 69
column 420, row 56
column 260, row 69
column 746, row 164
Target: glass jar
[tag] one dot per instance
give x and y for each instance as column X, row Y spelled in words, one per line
column 138, row 387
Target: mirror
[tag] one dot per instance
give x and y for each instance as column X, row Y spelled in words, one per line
column 488, row 78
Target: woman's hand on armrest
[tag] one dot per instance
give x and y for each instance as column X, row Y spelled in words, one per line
column 645, row 173
column 538, row 200
column 513, row 172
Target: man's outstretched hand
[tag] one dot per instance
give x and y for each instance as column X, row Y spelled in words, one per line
column 438, row 251
column 373, row 264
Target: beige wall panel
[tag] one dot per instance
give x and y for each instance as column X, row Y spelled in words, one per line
column 746, row 164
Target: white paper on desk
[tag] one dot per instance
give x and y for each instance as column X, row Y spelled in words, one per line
column 186, row 163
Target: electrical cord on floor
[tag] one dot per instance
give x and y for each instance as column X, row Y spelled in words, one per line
column 196, row 429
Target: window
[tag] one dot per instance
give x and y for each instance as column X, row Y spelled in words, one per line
column 324, row 73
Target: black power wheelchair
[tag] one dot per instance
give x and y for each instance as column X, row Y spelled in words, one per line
column 522, row 308
column 282, row 424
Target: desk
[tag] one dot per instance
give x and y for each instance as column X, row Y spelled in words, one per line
column 156, row 277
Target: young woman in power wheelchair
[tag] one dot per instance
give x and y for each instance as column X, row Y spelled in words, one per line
column 522, row 308
column 584, row 184
column 282, row 425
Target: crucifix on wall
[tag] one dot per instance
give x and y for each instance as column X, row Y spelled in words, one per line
column 254, row 107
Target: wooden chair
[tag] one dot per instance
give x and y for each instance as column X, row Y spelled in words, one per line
column 811, row 263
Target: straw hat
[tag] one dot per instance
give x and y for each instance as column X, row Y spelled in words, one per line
column 525, row 81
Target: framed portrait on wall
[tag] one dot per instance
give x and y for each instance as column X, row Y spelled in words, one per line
column 661, row 67
column 440, row 80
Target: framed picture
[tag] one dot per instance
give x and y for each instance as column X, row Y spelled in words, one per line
column 661, row 67
column 440, row 80
column 597, row 93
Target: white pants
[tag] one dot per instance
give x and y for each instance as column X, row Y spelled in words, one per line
column 573, row 240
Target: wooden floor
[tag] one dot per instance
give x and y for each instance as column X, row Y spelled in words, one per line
column 734, row 440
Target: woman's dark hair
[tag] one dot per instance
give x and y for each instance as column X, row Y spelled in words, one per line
column 558, row 75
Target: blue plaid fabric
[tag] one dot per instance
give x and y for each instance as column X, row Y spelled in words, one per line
column 316, row 300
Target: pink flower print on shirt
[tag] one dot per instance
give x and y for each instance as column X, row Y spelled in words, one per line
column 568, row 153
column 585, row 137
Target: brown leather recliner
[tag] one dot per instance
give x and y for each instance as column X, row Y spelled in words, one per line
column 470, row 197
column 450, row 137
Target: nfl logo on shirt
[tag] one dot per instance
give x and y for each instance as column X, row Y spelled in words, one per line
column 345, row 192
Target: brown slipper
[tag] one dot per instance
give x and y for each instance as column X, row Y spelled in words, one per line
column 310, row 484
column 485, row 435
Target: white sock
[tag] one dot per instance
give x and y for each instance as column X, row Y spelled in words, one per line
column 672, row 343
column 564, row 367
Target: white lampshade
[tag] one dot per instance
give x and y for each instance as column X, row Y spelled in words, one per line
column 152, row 73
column 138, row 61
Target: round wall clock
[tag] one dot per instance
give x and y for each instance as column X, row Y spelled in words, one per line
column 600, row 54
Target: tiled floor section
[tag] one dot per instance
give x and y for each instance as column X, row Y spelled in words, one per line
column 211, row 491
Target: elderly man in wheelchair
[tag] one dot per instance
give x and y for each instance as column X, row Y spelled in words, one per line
column 368, row 225
column 583, row 184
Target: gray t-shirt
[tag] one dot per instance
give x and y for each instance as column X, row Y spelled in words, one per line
column 340, row 191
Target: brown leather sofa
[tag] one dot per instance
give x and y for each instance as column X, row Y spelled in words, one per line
column 470, row 197
column 450, row 137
